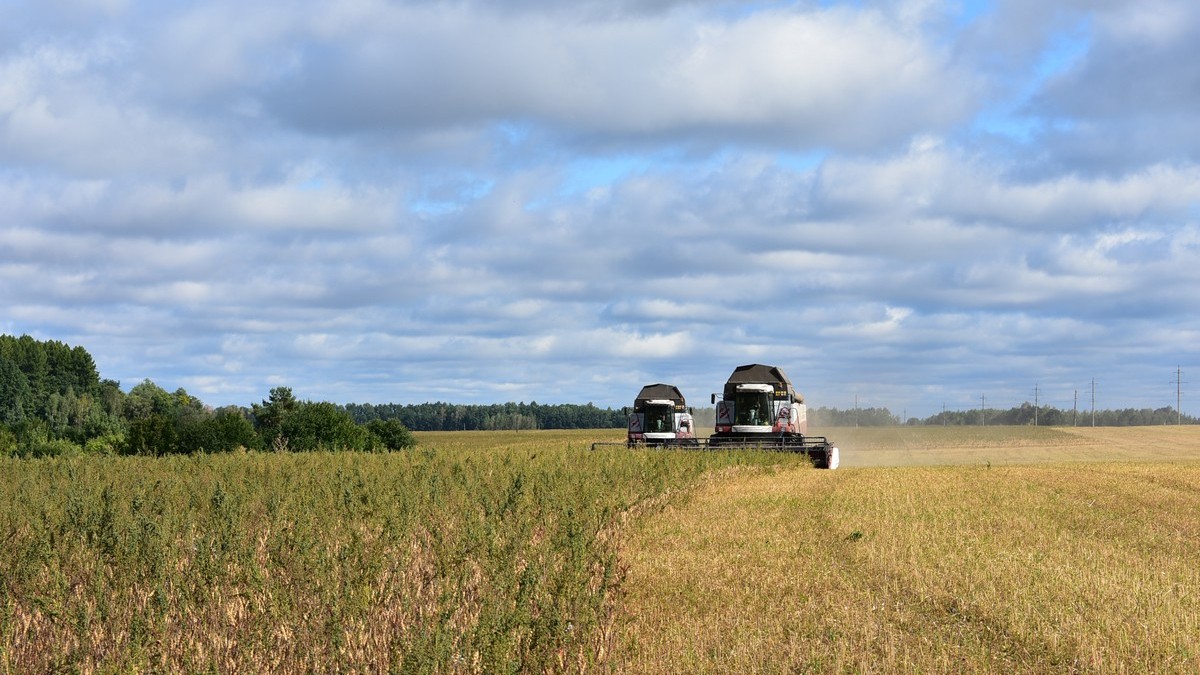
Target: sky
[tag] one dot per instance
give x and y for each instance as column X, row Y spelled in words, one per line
column 914, row 204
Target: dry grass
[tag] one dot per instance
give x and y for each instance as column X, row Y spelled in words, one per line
column 1013, row 568
column 477, row 553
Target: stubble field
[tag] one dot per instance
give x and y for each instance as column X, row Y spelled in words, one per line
column 934, row 550
column 931, row 550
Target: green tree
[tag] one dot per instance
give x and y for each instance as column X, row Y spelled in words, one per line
column 322, row 426
column 84, row 376
column 147, row 399
column 224, row 431
column 111, row 398
column 8, row 441
column 153, row 434
column 270, row 415
column 31, row 357
column 14, row 392
column 391, row 434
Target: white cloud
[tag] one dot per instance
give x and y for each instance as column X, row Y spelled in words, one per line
column 372, row 201
column 787, row 77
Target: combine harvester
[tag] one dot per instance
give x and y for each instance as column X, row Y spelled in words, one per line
column 758, row 410
column 660, row 418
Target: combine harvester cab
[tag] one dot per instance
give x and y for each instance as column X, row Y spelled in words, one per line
column 660, row 417
column 760, row 408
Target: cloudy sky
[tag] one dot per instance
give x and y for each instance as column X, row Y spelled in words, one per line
column 912, row 203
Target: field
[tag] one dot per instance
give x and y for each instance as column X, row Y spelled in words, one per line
column 940, row 446
column 1039, row 552
column 931, row 550
column 479, row 552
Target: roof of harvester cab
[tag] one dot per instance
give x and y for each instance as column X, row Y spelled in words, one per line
column 757, row 373
column 660, row 391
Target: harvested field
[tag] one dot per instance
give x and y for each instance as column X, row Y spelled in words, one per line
column 983, row 550
column 933, row 446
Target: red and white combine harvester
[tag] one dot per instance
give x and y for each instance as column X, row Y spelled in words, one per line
column 660, row 417
column 758, row 410
column 761, row 409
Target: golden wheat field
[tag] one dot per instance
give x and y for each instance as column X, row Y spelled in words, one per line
column 932, row 550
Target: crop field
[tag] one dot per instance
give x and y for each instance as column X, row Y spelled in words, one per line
column 931, row 550
column 483, row 552
column 1026, row 550
column 939, row 446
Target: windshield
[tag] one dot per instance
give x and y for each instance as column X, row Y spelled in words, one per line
column 752, row 408
column 658, row 419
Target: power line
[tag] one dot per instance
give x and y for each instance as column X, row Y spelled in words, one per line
column 1093, row 401
column 1179, row 395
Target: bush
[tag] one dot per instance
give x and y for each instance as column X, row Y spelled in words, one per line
column 57, row 447
column 8, row 441
column 152, row 435
column 322, row 426
column 108, row 444
column 392, row 434
column 225, row 431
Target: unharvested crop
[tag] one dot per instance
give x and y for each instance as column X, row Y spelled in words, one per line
column 476, row 553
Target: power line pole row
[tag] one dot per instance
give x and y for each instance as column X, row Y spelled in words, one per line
column 1037, row 388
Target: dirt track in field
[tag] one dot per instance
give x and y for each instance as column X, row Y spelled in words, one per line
column 934, row 446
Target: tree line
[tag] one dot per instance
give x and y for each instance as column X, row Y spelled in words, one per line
column 53, row 402
column 1024, row 414
column 458, row 417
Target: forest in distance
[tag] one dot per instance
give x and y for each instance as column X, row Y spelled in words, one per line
column 53, row 401
column 441, row 416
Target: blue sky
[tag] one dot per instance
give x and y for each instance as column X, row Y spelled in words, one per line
column 911, row 203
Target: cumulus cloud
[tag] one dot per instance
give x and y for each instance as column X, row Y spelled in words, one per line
column 905, row 201
column 785, row 77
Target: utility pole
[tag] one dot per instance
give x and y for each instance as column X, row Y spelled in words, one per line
column 1075, row 410
column 1178, row 395
column 983, row 410
column 856, row 411
column 1035, row 404
column 943, row 413
column 1093, row 401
